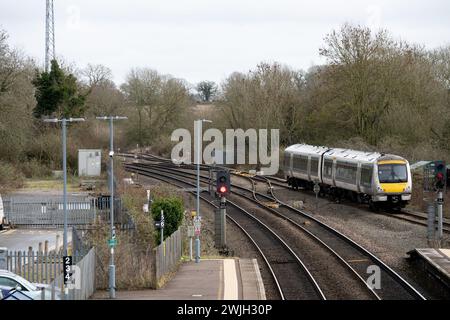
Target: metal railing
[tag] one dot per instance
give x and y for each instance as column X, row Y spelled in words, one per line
column 49, row 213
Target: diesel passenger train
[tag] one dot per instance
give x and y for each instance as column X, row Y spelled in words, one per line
column 381, row 180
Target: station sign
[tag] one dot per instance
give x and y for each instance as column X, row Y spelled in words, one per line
column 197, row 226
column 67, row 267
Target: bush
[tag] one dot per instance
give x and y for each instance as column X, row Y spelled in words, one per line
column 173, row 214
column 10, row 177
column 34, row 169
column 144, row 234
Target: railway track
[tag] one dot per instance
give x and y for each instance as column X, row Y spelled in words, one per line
column 351, row 257
column 418, row 218
column 293, row 280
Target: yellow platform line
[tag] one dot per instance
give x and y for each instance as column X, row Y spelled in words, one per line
column 230, row 281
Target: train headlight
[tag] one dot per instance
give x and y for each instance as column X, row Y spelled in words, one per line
column 380, row 189
column 407, row 189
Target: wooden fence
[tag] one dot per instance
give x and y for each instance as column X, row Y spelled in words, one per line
column 47, row 268
column 37, row 266
column 87, row 278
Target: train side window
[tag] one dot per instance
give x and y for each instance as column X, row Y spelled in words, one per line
column 314, row 166
column 301, row 163
column 346, row 172
column 295, row 162
column 366, row 176
column 328, row 169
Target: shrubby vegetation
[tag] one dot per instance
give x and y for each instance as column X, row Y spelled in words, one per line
column 173, row 214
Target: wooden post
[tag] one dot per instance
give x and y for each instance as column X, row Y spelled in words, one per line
column 30, row 250
column 46, row 262
column 53, row 290
column 57, row 243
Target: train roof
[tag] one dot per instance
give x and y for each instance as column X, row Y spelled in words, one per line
column 341, row 154
column 352, row 155
column 306, row 149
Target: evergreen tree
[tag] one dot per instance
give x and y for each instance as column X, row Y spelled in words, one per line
column 57, row 94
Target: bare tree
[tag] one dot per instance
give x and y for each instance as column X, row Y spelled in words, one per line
column 10, row 63
column 271, row 96
column 159, row 101
column 97, row 75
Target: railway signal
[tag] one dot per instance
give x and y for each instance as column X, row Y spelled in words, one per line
column 223, row 184
column 440, row 175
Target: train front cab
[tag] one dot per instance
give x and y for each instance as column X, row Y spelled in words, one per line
column 393, row 185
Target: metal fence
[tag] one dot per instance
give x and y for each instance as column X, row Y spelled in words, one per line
column 49, row 213
column 167, row 256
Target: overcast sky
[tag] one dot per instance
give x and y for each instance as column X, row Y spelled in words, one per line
column 209, row 39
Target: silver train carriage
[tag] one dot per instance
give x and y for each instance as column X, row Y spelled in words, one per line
column 367, row 177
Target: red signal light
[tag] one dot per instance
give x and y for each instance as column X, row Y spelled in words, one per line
column 223, row 189
column 440, row 176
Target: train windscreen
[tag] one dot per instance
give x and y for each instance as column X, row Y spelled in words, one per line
column 392, row 173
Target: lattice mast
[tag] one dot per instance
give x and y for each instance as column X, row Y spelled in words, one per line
column 50, row 53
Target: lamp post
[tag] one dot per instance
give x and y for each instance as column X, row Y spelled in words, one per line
column 199, row 160
column 112, row 267
column 64, row 147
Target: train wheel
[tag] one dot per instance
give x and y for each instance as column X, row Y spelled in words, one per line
column 374, row 206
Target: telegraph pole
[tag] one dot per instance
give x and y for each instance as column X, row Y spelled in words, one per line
column 112, row 242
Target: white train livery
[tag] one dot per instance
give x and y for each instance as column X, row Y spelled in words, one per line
column 382, row 180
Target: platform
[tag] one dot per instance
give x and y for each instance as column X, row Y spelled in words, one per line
column 436, row 262
column 222, row 279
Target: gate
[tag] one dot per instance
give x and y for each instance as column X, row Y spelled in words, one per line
column 49, row 213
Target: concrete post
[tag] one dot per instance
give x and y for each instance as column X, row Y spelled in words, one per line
column 431, row 222
column 223, row 214
column 440, row 205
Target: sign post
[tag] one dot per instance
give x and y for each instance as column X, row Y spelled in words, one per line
column 316, row 190
column 67, row 265
column 197, row 230
column 161, row 224
column 191, row 234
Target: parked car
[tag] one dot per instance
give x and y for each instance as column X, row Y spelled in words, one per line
column 13, row 294
column 10, row 281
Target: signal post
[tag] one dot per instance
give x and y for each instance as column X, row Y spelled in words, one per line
column 222, row 190
column 435, row 181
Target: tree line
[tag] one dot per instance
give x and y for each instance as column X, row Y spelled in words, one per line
column 373, row 93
